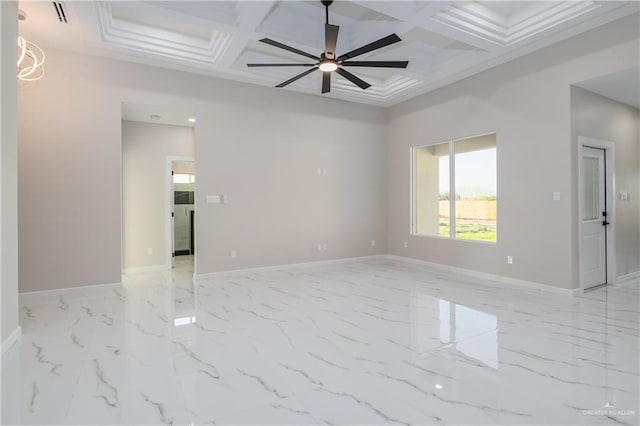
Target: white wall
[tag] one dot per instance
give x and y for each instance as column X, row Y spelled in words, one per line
column 145, row 148
column 258, row 145
column 598, row 117
column 265, row 156
column 8, row 166
column 527, row 102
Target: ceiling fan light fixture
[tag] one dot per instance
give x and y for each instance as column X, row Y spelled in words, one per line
column 328, row 62
column 328, row 66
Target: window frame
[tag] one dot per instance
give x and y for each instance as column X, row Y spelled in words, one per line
column 452, row 204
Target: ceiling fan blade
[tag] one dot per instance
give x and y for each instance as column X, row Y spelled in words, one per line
column 281, row 65
column 326, row 82
column 297, row 77
column 352, row 78
column 331, row 39
column 380, row 64
column 289, row 48
column 385, row 41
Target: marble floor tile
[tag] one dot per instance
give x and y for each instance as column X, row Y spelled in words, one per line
column 362, row 342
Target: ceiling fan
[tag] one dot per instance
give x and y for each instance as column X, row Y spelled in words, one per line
column 328, row 62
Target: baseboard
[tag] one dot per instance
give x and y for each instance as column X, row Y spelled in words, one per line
column 497, row 278
column 288, row 266
column 84, row 288
column 13, row 338
column 445, row 268
column 146, row 269
column 628, row 277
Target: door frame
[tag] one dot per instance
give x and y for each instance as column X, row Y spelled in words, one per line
column 167, row 206
column 609, row 149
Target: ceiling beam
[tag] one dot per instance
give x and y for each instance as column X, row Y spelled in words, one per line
column 250, row 16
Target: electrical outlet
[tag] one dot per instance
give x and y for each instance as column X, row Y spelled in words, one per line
column 373, row 243
column 150, row 251
column 406, row 244
column 324, row 247
column 510, row 260
column 234, row 254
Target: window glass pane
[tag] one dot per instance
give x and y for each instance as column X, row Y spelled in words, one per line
column 183, row 178
column 475, row 188
column 590, row 185
column 431, row 213
column 443, row 197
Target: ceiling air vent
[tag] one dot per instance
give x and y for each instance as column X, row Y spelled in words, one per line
column 62, row 14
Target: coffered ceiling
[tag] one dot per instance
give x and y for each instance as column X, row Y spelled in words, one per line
column 444, row 41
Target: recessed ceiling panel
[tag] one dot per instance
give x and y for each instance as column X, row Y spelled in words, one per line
column 349, row 11
column 510, row 22
column 434, row 41
column 224, row 12
column 131, row 12
column 153, row 41
column 296, row 23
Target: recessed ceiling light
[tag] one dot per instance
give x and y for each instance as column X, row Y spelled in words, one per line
column 155, row 117
column 192, row 120
column 439, row 386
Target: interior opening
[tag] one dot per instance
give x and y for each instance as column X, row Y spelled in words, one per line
column 183, row 186
column 158, row 184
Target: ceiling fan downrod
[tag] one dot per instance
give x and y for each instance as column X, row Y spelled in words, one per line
column 326, row 4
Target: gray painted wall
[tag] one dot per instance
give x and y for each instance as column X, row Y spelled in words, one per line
column 264, row 155
column 8, row 166
column 527, row 102
column 145, row 148
column 259, row 146
column 601, row 118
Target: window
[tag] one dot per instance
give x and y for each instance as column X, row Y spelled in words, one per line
column 184, row 178
column 456, row 179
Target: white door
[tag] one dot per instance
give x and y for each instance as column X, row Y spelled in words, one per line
column 173, row 222
column 593, row 214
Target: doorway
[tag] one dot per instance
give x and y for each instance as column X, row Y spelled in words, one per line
column 596, row 212
column 182, row 211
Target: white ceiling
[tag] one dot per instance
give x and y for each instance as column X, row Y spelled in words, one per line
column 444, row 41
column 622, row 86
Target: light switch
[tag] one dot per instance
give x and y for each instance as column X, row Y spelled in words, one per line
column 556, row 196
column 213, row 199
